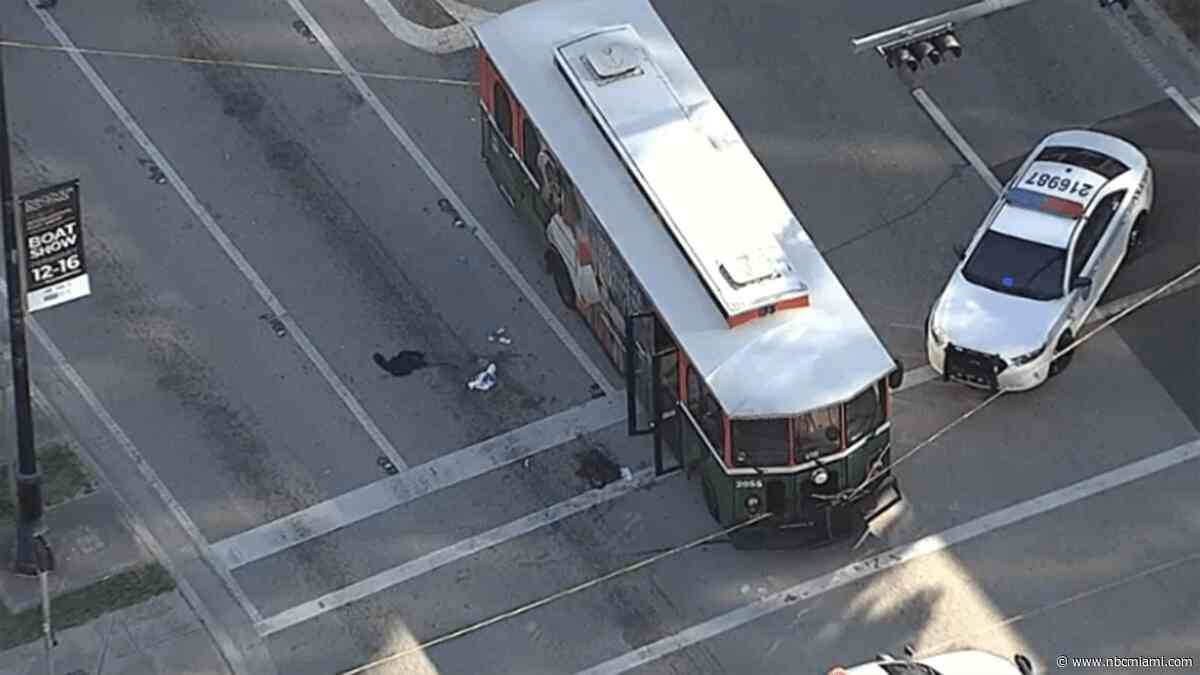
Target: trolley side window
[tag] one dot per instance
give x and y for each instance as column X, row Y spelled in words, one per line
column 704, row 408
column 503, row 111
column 864, row 414
column 760, row 442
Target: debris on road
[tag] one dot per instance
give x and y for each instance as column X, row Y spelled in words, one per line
column 484, row 380
column 275, row 323
column 387, row 465
column 304, row 31
column 500, row 335
column 156, row 173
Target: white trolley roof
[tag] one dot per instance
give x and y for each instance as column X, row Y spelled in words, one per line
column 700, row 192
column 777, row 365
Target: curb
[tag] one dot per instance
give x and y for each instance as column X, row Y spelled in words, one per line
column 448, row 40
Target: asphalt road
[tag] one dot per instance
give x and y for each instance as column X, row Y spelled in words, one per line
column 320, row 200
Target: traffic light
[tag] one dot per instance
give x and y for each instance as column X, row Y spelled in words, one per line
column 912, row 50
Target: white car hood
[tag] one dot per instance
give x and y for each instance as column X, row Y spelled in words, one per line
column 986, row 321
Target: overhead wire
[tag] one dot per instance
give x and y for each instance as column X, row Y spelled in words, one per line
column 554, row 596
column 253, row 65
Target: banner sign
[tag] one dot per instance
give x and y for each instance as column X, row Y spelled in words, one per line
column 52, row 245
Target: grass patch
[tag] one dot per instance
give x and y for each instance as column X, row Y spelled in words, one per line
column 83, row 605
column 64, row 478
column 1186, row 14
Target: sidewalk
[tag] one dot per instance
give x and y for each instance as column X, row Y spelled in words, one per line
column 161, row 636
column 113, row 607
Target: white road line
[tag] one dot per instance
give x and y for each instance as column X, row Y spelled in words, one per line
column 1184, row 104
column 226, row 644
column 442, row 186
column 420, row 481
column 463, row 549
column 943, row 123
column 452, row 38
column 895, row 557
column 222, row 239
column 1119, row 305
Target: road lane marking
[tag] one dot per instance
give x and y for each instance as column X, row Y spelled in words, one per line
column 251, row 65
column 448, row 192
column 225, row 643
column 419, row 481
column 956, row 139
column 223, row 240
column 462, row 549
column 1184, row 104
column 895, row 557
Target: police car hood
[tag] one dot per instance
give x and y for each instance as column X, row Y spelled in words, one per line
column 991, row 322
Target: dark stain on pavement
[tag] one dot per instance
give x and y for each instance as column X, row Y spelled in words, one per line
column 286, row 155
column 243, row 105
column 404, row 363
column 596, row 468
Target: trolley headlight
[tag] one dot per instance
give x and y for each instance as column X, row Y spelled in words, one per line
column 752, row 504
column 1026, row 358
column 820, row 477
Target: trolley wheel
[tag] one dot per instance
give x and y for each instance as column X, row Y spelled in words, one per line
column 1060, row 363
column 710, row 499
column 562, row 280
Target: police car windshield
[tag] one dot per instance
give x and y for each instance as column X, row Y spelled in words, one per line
column 1016, row 266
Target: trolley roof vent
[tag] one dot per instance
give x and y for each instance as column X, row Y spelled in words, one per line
column 614, row 61
column 753, row 266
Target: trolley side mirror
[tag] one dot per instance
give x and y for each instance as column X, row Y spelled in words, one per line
column 896, row 377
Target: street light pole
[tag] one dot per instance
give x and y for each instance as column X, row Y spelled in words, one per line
column 29, row 479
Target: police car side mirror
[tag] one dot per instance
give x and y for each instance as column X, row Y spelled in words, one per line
column 1081, row 282
column 896, row 377
column 1023, row 664
column 960, row 250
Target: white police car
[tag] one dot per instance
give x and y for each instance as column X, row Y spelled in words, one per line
column 966, row 662
column 1040, row 262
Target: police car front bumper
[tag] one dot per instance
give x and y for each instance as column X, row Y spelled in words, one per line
column 986, row 371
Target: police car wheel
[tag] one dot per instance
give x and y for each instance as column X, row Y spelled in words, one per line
column 1135, row 233
column 1060, row 363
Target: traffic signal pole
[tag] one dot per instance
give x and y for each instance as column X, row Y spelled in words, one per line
column 955, row 17
column 28, row 478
